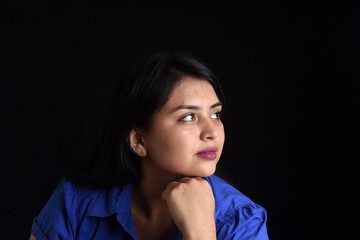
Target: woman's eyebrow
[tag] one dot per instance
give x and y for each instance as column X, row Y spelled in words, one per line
column 216, row 104
column 193, row 107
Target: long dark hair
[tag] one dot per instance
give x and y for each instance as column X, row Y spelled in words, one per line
column 143, row 88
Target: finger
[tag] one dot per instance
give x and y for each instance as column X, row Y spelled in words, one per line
column 184, row 179
column 188, row 179
column 172, row 185
column 198, row 178
column 165, row 195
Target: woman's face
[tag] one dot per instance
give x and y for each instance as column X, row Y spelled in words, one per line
column 186, row 136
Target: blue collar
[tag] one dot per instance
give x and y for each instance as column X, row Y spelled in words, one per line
column 111, row 201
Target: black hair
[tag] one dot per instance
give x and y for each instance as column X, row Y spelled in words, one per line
column 142, row 89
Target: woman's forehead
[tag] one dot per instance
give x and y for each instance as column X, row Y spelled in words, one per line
column 192, row 91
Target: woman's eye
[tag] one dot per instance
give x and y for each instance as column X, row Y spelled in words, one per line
column 215, row 115
column 188, row 118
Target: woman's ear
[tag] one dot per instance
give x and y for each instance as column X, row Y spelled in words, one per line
column 136, row 142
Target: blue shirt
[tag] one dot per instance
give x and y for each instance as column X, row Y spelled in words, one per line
column 76, row 212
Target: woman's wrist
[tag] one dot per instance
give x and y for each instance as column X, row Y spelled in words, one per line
column 201, row 237
column 208, row 233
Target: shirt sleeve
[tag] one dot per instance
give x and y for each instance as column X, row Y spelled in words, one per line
column 58, row 218
column 246, row 223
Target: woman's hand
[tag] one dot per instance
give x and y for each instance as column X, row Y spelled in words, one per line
column 191, row 204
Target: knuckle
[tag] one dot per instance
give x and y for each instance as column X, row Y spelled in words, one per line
column 194, row 180
column 172, row 193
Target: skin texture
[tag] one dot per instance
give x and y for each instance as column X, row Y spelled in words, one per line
column 170, row 184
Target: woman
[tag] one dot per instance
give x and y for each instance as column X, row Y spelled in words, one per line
column 151, row 171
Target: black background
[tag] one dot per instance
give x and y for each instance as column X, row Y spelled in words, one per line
column 290, row 75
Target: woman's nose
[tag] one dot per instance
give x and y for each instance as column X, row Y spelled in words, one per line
column 209, row 131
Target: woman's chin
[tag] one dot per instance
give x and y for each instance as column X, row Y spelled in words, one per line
column 206, row 172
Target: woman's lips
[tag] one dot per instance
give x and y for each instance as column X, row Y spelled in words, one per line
column 208, row 153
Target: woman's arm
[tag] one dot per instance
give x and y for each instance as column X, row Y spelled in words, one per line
column 191, row 204
column 32, row 237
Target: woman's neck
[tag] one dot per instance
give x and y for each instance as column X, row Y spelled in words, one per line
column 151, row 217
column 146, row 192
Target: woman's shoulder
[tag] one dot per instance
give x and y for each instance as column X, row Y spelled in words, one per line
column 74, row 194
column 224, row 191
column 226, row 194
column 85, row 198
column 234, row 210
column 68, row 204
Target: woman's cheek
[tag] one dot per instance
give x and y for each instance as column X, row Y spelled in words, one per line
column 182, row 144
column 187, row 140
